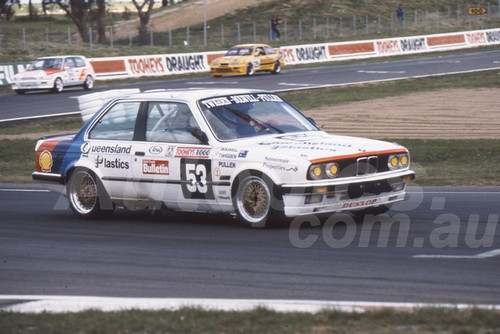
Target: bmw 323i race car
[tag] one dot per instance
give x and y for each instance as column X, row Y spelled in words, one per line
column 246, row 59
column 244, row 152
column 55, row 73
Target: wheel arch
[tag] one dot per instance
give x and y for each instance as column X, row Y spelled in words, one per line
column 72, row 168
column 270, row 179
column 105, row 202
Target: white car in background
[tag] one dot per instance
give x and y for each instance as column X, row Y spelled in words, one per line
column 54, row 74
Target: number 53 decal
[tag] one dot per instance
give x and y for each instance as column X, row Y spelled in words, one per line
column 196, row 179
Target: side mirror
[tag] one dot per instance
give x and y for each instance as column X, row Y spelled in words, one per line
column 29, row 67
column 200, row 135
column 313, row 122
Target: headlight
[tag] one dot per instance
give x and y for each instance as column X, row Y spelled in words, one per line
column 332, row 170
column 329, row 170
column 393, row 162
column 315, row 172
column 404, row 160
column 398, row 161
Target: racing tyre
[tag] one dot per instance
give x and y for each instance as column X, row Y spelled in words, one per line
column 277, row 68
column 87, row 196
column 253, row 201
column 250, row 69
column 88, row 84
column 58, row 86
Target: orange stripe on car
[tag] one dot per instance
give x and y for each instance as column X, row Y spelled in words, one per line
column 357, row 155
column 53, row 71
column 82, row 74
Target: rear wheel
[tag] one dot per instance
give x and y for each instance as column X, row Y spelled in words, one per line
column 277, row 68
column 87, row 196
column 58, row 86
column 250, row 69
column 88, row 84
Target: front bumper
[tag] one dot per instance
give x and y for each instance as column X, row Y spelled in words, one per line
column 27, row 85
column 228, row 70
column 349, row 194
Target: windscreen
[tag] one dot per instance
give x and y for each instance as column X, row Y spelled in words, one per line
column 47, row 63
column 247, row 115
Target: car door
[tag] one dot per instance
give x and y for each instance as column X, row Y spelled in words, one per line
column 70, row 73
column 175, row 167
column 267, row 58
column 81, row 70
column 111, row 147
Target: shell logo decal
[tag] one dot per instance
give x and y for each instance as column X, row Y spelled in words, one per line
column 45, row 161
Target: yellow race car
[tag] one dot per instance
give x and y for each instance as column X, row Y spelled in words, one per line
column 246, row 59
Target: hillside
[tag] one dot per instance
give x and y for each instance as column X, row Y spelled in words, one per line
column 433, row 14
column 186, row 13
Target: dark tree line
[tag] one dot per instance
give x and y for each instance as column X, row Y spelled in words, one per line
column 82, row 12
column 6, row 8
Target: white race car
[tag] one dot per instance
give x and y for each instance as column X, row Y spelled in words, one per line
column 243, row 152
column 55, row 73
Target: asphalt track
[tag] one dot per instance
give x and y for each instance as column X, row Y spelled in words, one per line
column 446, row 249
column 440, row 246
column 14, row 106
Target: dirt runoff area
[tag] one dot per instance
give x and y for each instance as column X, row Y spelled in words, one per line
column 185, row 13
column 443, row 114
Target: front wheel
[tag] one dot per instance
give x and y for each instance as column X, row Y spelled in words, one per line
column 88, row 83
column 87, row 196
column 253, row 201
column 58, row 86
column 250, row 69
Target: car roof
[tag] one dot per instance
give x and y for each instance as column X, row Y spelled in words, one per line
column 249, row 45
column 59, row 56
column 189, row 94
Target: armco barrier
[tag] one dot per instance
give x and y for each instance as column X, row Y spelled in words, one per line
column 182, row 63
column 7, row 71
column 159, row 65
column 89, row 104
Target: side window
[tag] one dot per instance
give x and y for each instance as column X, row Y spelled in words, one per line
column 79, row 62
column 269, row 50
column 259, row 52
column 69, row 62
column 170, row 122
column 118, row 123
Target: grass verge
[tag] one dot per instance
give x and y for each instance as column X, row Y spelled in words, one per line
column 437, row 162
column 314, row 98
column 420, row 321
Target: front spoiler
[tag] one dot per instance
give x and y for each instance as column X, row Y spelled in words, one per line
column 346, row 194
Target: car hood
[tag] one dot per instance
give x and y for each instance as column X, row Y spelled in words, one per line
column 230, row 59
column 319, row 145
